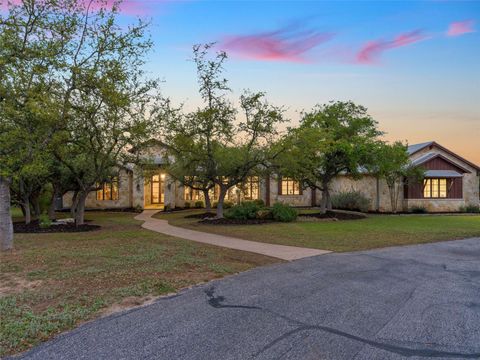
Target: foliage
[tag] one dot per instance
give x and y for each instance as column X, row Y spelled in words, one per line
column 259, row 202
column 244, row 211
column 44, row 221
column 219, row 144
column 226, row 204
column 283, row 212
column 199, row 204
column 418, row 210
column 470, row 209
column 332, row 139
column 187, row 205
column 351, row 200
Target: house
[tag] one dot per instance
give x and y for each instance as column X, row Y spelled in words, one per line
column 450, row 182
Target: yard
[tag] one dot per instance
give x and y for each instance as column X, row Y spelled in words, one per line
column 373, row 232
column 53, row 282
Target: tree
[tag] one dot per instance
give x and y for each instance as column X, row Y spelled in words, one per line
column 332, row 139
column 31, row 40
column 210, row 142
column 392, row 163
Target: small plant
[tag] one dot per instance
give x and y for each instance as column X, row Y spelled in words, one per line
column 264, row 214
column 44, row 221
column 167, row 207
column 259, row 202
column 244, row 211
column 187, row 205
column 418, row 210
column 284, row 213
column 226, row 204
column 473, row 209
column 351, row 200
column 199, row 204
column 138, row 209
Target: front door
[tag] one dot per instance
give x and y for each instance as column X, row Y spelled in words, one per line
column 157, row 190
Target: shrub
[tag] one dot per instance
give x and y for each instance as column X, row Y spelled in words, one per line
column 350, row 200
column 259, row 202
column 199, row 204
column 264, row 214
column 418, row 210
column 470, row 209
column 283, row 212
column 244, row 211
column 226, row 204
column 44, row 221
column 186, row 205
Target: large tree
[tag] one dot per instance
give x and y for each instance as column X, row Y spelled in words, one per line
column 332, row 139
column 31, row 41
column 220, row 143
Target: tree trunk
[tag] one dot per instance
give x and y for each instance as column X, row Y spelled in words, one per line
column 73, row 207
column 326, row 203
column 35, row 201
column 6, row 226
column 208, row 203
column 393, row 198
column 28, row 213
column 221, row 198
column 329, row 201
column 80, row 208
column 51, row 207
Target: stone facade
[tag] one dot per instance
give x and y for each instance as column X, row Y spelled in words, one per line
column 135, row 190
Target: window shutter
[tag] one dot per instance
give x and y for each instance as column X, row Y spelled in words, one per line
column 279, row 185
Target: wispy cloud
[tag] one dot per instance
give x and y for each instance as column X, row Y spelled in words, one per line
column 458, row 28
column 371, row 51
column 289, row 44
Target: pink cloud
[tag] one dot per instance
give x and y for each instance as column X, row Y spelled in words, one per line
column 288, row 44
column 372, row 50
column 460, row 27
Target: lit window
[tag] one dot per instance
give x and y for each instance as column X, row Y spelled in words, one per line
column 191, row 194
column 290, row 187
column 108, row 190
column 251, row 188
column 435, row 188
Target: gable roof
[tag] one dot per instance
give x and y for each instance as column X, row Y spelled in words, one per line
column 412, row 149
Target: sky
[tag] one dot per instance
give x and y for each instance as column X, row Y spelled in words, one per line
column 414, row 65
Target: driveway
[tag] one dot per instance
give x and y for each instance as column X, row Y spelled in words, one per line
column 415, row 302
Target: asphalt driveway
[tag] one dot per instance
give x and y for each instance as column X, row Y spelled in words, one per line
column 415, row 302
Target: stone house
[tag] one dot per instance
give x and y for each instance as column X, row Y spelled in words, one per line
column 450, row 182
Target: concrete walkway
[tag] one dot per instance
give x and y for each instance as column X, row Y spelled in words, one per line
column 278, row 251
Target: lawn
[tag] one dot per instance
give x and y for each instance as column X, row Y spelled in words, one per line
column 375, row 231
column 53, row 282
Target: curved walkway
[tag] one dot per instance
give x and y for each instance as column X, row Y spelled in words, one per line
column 278, row 251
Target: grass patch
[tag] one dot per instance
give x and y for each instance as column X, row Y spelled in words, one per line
column 53, row 282
column 375, row 231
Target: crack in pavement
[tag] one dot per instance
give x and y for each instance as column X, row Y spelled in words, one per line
column 217, row 302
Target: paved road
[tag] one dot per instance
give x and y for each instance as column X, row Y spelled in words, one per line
column 417, row 302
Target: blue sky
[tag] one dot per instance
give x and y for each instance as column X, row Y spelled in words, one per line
column 416, row 80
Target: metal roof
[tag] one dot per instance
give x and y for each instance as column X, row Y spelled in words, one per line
column 424, row 158
column 442, row 174
column 415, row 147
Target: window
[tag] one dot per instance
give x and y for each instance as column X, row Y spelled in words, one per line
column 251, row 188
column 191, row 194
column 108, row 190
column 157, row 190
column 435, row 188
column 290, row 187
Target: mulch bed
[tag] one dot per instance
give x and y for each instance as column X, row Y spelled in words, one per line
column 225, row 221
column 206, row 215
column 339, row 215
column 34, row 227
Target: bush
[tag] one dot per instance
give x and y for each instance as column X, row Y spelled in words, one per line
column 226, row 204
column 186, row 205
column 283, row 212
column 470, row 209
column 199, row 204
column 44, row 221
column 264, row 214
column 418, row 210
column 351, row 200
column 244, row 211
column 259, row 202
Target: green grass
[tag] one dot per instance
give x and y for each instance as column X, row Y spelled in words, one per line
column 375, row 231
column 52, row 282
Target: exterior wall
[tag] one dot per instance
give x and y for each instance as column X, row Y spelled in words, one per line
column 124, row 195
column 470, row 188
column 294, row 200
